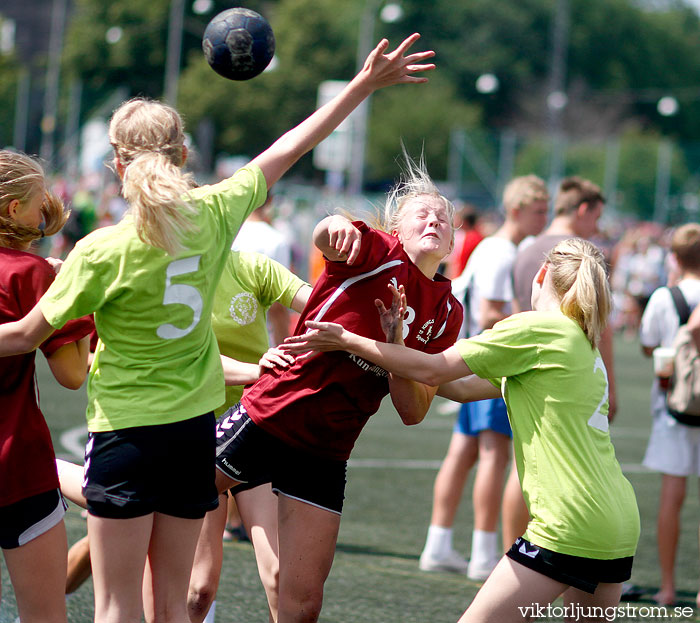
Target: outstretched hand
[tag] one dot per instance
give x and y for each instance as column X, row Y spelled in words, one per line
column 382, row 70
column 275, row 358
column 392, row 319
column 320, row 337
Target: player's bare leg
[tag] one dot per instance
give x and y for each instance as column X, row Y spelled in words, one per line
column 79, row 566
column 258, row 508
column 118, row 572
column 171, row 568
column 37, row 572
column 667, row 534
column 580, row 605
column 206, row 569
column 510, row 595
column 307, row 537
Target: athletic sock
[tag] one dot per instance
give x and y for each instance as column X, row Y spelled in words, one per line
column 484, row 546
column 439, row 541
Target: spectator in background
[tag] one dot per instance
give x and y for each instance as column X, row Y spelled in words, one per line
column 674, row 447
column 482, row 430
column 467, row 236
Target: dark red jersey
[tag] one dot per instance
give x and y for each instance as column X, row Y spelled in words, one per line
column 322, row 402
column 27, row 465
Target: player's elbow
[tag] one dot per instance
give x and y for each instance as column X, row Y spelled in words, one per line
column 412, row 418
column 72, row 380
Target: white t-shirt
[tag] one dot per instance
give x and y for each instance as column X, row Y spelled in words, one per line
column 660, row 324
column 487, row 275
column 260, row 237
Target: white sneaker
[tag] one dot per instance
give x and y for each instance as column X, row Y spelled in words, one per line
column 451, row 562
column 480, row 570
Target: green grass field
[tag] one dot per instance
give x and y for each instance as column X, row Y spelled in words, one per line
column 375, row 576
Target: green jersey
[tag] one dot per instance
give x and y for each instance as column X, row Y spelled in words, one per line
column 250, row 283
column 157, row 361
column 556, row 389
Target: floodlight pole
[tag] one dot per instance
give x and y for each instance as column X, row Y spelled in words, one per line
column 172, row 59
column 557, row 87
column 359, row 131
column 53, row 72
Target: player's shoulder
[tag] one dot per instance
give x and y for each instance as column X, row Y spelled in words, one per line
column 16, row 261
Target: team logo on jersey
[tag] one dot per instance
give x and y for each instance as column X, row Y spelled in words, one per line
column 243, row 308
column 425, row 331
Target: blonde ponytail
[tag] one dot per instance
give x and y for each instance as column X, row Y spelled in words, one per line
column 148, row 141
column 21, row 177
column 580, row 279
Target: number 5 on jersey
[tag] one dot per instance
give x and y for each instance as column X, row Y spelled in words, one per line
column 182, row 294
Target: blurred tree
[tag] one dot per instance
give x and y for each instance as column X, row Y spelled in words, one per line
column 622, row 55
column 9, row 79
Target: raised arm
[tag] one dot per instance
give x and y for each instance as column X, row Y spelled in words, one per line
column 338, row 239
column 380, row 70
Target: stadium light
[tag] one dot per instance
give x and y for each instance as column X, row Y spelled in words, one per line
column 201, row 7
column 487, row 84
column 667, row 106
column 113, row 34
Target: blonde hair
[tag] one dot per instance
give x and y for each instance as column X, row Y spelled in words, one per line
column 414, row 182
column 573, row 191
column 21, row 178
column 580, row 279
column 524, row 190
column 148, row 140
column 685, row 244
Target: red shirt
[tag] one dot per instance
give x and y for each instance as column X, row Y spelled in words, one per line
column 470, row 241
column 27, row 465
column 321, row 403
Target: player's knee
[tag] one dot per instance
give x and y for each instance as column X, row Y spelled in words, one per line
column 270, row 577
column 303, row 607
column 199, row 599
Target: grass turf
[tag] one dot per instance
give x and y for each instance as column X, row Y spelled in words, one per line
column 375, row 575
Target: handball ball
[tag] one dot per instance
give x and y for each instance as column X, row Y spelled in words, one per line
column 238, row 43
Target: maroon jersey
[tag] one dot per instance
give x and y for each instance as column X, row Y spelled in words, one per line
column 322, row 402
column 27, row 465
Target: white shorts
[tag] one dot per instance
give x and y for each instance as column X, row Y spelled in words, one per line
column 673, row 448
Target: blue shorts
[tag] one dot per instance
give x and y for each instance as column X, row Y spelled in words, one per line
column 475, row 417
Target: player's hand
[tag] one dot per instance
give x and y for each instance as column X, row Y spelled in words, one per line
column 55, row 264
column 392, row 319
column 275, row 358
column 397, row 67
column 321, row 337
column 345, row 238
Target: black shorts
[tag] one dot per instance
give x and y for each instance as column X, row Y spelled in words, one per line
column 251, row 456
column 582, row 573
column 166, row 468
column 29, row 518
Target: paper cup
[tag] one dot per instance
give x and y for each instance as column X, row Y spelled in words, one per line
column 663, row 361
